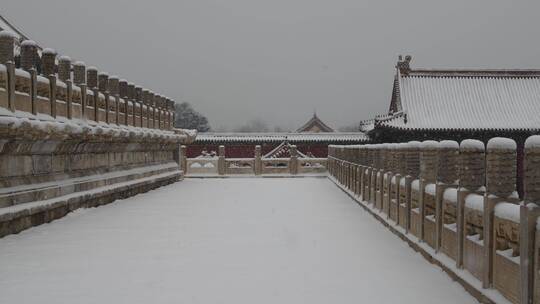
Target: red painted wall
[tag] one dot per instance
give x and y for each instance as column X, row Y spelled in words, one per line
column 248, row 150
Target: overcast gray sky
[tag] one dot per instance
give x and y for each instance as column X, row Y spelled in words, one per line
column 278, row 60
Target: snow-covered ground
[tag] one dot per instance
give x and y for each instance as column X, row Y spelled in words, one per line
column 258, row 240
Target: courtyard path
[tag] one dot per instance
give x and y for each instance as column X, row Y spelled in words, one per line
column 244, row 240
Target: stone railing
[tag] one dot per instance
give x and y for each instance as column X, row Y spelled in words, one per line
column 258, row 165
column 71, row 137
column 460, row 200
column 71, row 91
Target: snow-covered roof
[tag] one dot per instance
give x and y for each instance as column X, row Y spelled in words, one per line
column 282, row 151
column 336, row 137
column 465, row 99
column 8, row 26
column 315, row 124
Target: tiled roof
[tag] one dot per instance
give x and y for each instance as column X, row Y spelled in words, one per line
column 355, row 137
column 316, row 122
column 8, row 26
column 283, row 151
column 466, row 99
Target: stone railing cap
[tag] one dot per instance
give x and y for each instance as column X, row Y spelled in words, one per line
column 430, row 144
column 49, row 51
column 532, row 142
column 449, row 144
column 7, row 34
column 501, row 143
column 28, row 43
column 414, row 144
column 472, row 144
column 64, row 58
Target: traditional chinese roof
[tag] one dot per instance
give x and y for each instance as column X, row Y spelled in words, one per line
column 335, row 137
column 8, row 26
column 314, row 125
column 283, row 151
column 463, row 99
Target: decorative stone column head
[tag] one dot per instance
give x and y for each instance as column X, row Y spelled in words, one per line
column 79, row 73
column 412, row 156
column 146, row 97
column 64, row 68
column 383, row 157
column 402, row 158
column 293, row 151
column 531, row 181
column 392, row 157
column 221, row 151
column 92, row 77
column 113, row 85
column 472, row 168
column 501, row 167
column 123, row 88
column 48, row 62
column 448, row 162
column 138, row 93
column 28, row 53
column 103, row 82
column 429, row 152
column 369, row 155
column 151, row 98
column 131, row 91
column 7, row 47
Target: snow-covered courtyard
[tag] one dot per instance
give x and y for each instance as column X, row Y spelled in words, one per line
column 243, row 240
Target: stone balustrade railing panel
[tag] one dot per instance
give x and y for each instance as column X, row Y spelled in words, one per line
column 460, row 199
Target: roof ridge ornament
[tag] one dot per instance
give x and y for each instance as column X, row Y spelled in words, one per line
column 404, row 64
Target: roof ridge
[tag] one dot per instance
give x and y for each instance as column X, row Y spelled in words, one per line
column 473, row 73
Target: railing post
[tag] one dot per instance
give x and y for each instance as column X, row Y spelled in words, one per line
column 64, row 74
column 131, row 98
column 79, row 78
column 428, row 175
column 52, row 96
column 472, row 175
column 183, row 159
column 500, row 183
column 138, row 102
column 293, row 162
column 103, row 83
column 123, row 90
column 7, row 47
column 413, row 172
column 69, row 97
column 258, row 162
column 529, row 213
column 48, row 62
column 33, row 89
column 221, row 161
column 92, row 82
column 11, row 78
column 447, row 176
column 113, row 90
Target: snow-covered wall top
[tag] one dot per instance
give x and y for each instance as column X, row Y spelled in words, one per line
column 274, row 137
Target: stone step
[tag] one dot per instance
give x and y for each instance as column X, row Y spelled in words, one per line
column 92, row 193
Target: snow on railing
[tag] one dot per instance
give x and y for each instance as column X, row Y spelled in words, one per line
column 41, row 83
column 258, row 165
column 460, row 199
